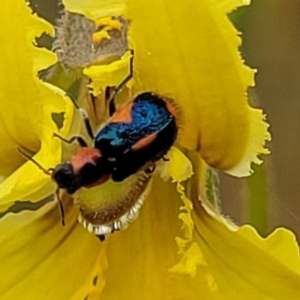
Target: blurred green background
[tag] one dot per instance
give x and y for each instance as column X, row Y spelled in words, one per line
column 271, row 44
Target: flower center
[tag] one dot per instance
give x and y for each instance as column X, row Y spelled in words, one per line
column 112, row 206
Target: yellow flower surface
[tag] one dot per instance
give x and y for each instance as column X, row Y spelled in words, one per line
column 36, row 249
column 180, row 50
column 174, row 57
column 180, row 247
column 93, row 10
column 27, row 105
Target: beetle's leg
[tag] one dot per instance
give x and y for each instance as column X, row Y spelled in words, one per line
column 150, row 170
column 61, row 207
column 84, row 116
column 111, row 103
column 119, row 88
column 77, row 138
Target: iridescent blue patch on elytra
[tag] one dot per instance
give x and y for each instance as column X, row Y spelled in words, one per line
column 149, row 115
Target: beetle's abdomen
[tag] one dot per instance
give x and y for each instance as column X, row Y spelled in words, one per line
column 149, row 115
column 138, row 136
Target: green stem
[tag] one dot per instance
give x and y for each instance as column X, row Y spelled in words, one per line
column 258, row 200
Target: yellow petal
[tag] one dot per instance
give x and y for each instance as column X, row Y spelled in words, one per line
column 139, row 258
column 27, row 119
column 108, row 75
column 20, row 185
column 179, row 168
column 41, row 259
column 188, row 51
column 243, row 263
column 24, row 99
column 255, row 265
column 92, row 9
column 229, row 5
column 221, row 262
column 209, row 85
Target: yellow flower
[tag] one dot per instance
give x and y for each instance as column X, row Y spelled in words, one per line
column 180, row 247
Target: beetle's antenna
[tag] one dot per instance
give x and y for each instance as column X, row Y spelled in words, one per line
column 47, row 172
column 27, row 156
column 61, row 208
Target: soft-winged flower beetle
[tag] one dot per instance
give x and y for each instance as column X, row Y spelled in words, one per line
column 136, row 136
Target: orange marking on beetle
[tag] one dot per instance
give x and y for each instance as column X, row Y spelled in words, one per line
column 84, row 156
column 147, row 140
column 123, row 114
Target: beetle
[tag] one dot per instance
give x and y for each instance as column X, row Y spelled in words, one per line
column 135, row 137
